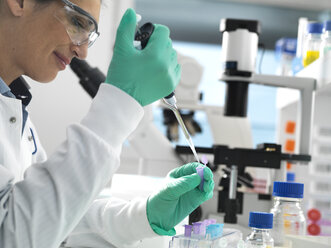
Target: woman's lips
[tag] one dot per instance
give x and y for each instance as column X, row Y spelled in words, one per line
column 63, row 61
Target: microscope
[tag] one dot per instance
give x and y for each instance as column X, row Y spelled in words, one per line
column 239, row 52
column 230, row 149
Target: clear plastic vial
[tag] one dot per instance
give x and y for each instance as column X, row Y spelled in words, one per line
column 312, row 43
column 288, row 214
column 260, row 237
column 285, row 53
column 326, row 40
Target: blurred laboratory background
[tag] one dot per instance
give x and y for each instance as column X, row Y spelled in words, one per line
column 297, row 118
column 194, row 27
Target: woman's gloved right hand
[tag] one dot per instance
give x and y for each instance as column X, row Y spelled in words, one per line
column 149, row 74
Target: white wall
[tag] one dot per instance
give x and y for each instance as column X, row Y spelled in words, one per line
column 58, row 104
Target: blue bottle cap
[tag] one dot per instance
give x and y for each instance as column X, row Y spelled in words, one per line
column 286, row 45
column 260, row 220
column 327, row 25
column 288, row 189
column 290, row 177
column 315, row 28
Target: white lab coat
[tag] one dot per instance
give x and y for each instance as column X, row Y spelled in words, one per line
column 46, row 201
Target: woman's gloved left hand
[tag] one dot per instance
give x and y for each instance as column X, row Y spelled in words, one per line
column 180, row 196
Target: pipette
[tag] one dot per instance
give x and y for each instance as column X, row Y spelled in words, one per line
column 170, row 102
column 141, row 39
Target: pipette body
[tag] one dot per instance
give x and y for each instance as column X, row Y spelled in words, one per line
column 141, row 39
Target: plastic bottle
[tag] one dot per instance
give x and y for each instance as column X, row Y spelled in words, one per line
column 312, row 43
column 260, row 237
column 285, row 53
column 326, row 40
column 288, row 215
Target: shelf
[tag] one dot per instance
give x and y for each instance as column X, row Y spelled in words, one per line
column 309, row 241
column 320, row 70
column 317, row 5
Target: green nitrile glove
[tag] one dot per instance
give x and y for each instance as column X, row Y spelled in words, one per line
column 149, row 74
column 180, row 196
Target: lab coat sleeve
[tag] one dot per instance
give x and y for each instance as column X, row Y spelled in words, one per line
column 41, row 210
column 112, row 223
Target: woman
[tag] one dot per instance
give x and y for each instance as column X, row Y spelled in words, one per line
column 46, row 202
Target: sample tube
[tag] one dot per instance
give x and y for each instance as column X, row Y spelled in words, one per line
column 197, row 230
column 188, row 230
column 199, row 170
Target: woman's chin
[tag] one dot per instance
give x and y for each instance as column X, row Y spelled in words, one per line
column 44, row 78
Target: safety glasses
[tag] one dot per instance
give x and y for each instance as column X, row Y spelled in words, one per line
column 81, row 27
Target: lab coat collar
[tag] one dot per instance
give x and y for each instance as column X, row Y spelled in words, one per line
column 20, row 89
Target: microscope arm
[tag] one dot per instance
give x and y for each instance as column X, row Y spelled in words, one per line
column 307, row 87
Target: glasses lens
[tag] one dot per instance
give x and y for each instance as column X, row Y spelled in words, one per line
column 80, row 28
column 92, row 38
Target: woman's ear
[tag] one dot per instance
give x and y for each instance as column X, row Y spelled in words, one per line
column 16, row 7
